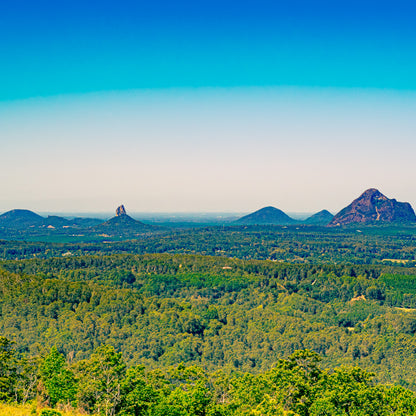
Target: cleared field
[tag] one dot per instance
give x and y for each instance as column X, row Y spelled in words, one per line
column 28, row 410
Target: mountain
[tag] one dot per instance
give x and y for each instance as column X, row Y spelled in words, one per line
column 20, row 218
column 86, row 222
column 323, row 217
column 267, row 215
column 372, row 207
column 20, row 223
column 53, row 221
column 123, row 225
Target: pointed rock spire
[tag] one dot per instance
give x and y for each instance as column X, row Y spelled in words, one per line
column 120, row 211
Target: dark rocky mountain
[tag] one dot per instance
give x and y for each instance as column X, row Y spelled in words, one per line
column 267, row 215
column 323, row 217
column 372, row 207
column 20, row 218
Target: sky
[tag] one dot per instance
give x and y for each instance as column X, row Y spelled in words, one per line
column 205, row 106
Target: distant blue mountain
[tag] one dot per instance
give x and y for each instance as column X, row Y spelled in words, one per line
column 323, row 217
column 267, row 215
column 20, row 219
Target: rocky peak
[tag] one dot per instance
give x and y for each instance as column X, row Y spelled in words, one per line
column 120, row 211
column 374, row 207
column 373, row 194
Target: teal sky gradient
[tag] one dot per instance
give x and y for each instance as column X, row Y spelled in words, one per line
column 51, row 48
column 205, row 106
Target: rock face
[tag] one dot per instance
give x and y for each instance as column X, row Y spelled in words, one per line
column 267, row 215
column 372, row 207
column 120, row 211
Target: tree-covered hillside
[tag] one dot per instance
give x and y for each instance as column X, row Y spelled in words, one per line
column 103, row 384
column 214, row 312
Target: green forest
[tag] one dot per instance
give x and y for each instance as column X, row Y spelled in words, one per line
column 238, row 324
column 293, row 244
column 103, row 384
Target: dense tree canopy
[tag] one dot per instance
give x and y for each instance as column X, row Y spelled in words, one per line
column 297, row 386
column 237, row 315
column 325, row 326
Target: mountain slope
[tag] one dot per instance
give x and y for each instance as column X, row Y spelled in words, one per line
column 323, row 217
column 86, row 222
column 123, row 225
column 56, row 222
column 267, row 215
column 20, row 218
column 372, row 207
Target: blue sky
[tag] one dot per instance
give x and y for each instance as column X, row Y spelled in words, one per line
column 91, row 87
column 51, row 47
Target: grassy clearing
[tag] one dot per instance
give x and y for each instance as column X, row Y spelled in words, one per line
column 27, row 410
column 398, row 261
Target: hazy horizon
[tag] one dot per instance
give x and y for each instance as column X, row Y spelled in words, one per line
column 159, row 215
column 226, row 106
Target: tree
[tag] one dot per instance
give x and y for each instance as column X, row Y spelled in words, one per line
column 138, row 396
column 8, row 371
column 58, row 380
column 100, row 381
column 28, row 377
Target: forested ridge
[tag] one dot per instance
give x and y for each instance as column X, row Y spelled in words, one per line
column 294, row 244
column 103, row 384
column 160, row 310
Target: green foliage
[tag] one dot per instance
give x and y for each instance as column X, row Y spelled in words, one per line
column 50, row 412
column 215, row 312
column 28, row 377
column 240, row 316
column 58, row 380
column 137, row 393
column 100, row 381
column 8, row 371
column 296, row 386
column 294, row 244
